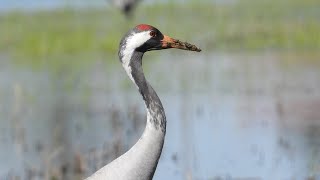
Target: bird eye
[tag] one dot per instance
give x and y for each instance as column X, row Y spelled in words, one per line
column 153, row 34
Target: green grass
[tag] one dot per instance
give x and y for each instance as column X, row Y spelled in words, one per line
column 39, row 37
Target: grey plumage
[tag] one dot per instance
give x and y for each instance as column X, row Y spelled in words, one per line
column 140, row 162
column 126, row 6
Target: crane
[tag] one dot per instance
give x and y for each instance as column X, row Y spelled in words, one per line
column 126, row 6
column 140, row 162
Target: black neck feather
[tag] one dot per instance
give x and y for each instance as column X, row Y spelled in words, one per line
column 150, row 97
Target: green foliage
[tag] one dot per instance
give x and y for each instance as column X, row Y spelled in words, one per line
column 40, row 37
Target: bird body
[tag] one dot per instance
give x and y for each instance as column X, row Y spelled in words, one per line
column 126, row 6
column 140, row 162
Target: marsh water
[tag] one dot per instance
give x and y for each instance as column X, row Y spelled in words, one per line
column 229, row 116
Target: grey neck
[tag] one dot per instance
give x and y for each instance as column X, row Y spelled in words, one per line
column 155, row 110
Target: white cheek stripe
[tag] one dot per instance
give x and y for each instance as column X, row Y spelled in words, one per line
column 134, row 41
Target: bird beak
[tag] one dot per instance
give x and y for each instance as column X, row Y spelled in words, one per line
column 168, row 42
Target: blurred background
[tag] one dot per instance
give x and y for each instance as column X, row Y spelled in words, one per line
column 246, row 107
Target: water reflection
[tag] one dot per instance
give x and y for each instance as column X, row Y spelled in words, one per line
column 236, row 116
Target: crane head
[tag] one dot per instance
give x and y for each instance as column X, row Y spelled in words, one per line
column 147, row 38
